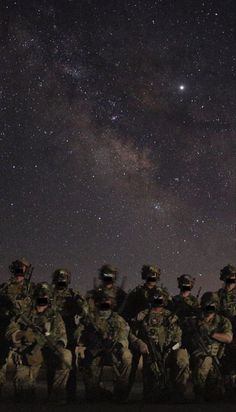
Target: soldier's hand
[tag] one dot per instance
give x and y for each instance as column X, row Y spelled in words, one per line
column 80, row 352
column 143, row 348
column 29, row 335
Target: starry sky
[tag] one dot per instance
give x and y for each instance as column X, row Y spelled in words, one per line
column 117, row 137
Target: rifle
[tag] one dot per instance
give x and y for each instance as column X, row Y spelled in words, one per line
column 204, row 349
column 41, row 338
column 158, row 357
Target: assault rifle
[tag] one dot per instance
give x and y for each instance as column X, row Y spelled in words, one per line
column 203, row 347
column 41, row 339
column 158, row 357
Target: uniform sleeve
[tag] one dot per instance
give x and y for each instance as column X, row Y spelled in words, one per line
column 123, row 332
column 226, row 327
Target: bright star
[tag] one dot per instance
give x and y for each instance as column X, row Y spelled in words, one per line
column 182, row 87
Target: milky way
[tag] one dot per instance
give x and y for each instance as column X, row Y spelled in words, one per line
column 118, row 137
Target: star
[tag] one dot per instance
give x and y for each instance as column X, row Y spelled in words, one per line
column 181, row 87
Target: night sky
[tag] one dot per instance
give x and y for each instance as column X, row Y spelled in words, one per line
column 117, row 137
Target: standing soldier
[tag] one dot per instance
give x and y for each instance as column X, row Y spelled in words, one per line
column 227, row 296
column 39, row 337
column 166, row 365
column 71, row 306
column 208, row 333
column 185, row 304
column 141, row 297
column 15, row 296
column 108, row 277
column 105, row 338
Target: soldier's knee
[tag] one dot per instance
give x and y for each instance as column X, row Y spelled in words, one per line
column 66, row 358
column 206, row 364
column 182, row 358
column 126, row 355
column 23, row 374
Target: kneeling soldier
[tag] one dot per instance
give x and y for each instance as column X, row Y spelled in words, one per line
column 209, row 333
column 39, row 337
column 106, row 339
column 166, row 365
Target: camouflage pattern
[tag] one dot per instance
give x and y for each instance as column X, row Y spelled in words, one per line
column 205, row 376
column 106, row 339
column 14, row 298
column 72, row 306
column 140, row 299
column 228, row 308
column 116, row 294
column 31, row 351
column 163, row 330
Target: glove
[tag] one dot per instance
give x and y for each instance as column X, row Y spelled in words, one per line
column 29, row 335
column 80, row 352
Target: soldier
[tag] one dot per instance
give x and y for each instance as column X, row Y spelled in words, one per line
column 71, row 306
column 141, row 297
column 39, row 337
column 15, row 296
column 227, row 296
column 166, row 365
column 185, row 304
column 105, row 339
column 108, row 277
column 208, row 333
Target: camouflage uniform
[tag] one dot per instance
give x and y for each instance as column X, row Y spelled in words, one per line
column 106, row 339
column 14, row 298
column 227, row 297
column 71, row 306
column 170, row 370
column 185, row 305
column 140, row 298
column 39, row 337
column 205, row 350
column 107, row 276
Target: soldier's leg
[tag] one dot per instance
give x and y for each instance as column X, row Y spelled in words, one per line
column 121, row 370
column 201, row 371
column 92, row 367
column 27, row 370
column 4, row 355
column 3, row 368
column 72, row 379
column 151, row 380
column 178, row 364
column 62, row 374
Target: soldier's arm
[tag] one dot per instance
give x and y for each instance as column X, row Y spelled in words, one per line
column 226, row 334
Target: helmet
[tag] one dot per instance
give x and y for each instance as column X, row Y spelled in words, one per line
column 108, row 273
column 61, row 278
column 17, row 266
column 42, row 294
column 185, row 282
column 228, row 272
column 210, row 301
column 151, row 273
